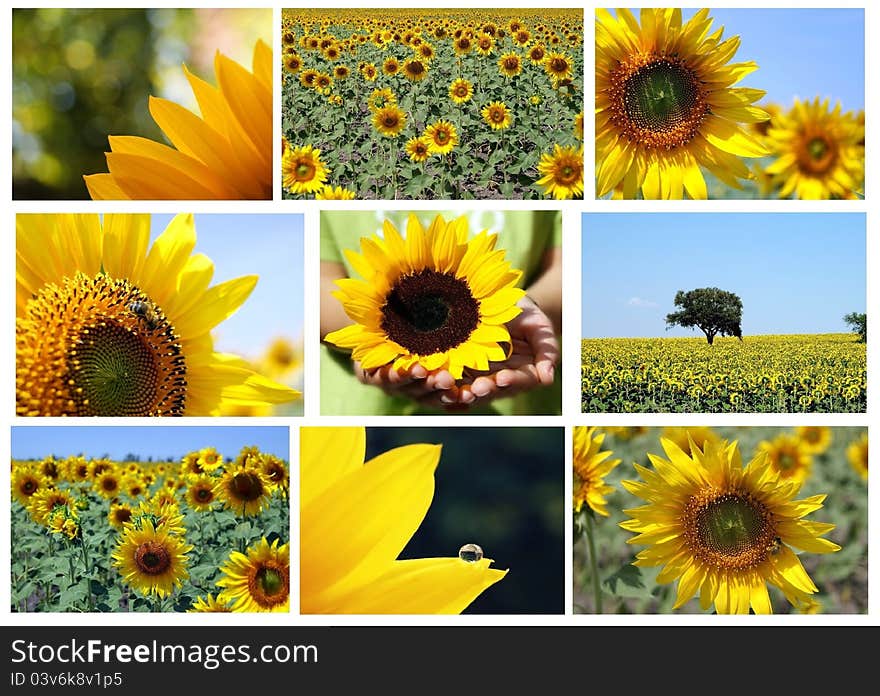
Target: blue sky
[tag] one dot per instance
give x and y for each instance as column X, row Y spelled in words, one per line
column 158, row 442
column 803, row 52
column 795, row 272
column 270, row 246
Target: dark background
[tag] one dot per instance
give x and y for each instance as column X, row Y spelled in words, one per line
column 501, row 488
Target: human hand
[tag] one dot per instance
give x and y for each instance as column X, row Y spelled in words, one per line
column 415, row 383
column 532, row 363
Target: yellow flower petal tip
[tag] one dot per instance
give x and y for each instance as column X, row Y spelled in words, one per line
column 224, row 154
column 357, row 517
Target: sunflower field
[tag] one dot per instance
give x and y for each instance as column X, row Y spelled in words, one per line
column 205, row 533
column 432, row 104
column 752, row 520
column 823, row 373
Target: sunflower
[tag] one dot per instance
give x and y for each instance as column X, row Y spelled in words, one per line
column 787, row 456
column 119, row 515
column 722, row 529
column 563, row 172
column 25, row 483
column 302, row 170
column 510, row 64
column 665, row 106
column 209, row 604
column 820, row 152
column 418, row 149
column 579, row 126
column 496, row 115
column 108, row 484
column 558, row 67
column 857, row 454
column 357, row 517
column 537, row 53
column 258, row 581
column 434, row 298
column 200, row 494
column 461, row 91
column 323, row 82
column 225, row 154
column 591, row 466
column 369, row 72
column 341, row 72
column 389, row 120
column 293, row 62
column 462, row 45
column 334, row 193
column 380, row 98
column 150, row 560
column 307, row 78
column 441, row 136
column 485, row 44
column 275, row 470
column 109, row 325
column 415, row 69
column 814, row 439
column 391, row 66
column 683, row 436
column 209, row 459
column 44, row 501
column 243, row 489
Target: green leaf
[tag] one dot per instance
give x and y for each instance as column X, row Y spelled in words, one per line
column 628, row 582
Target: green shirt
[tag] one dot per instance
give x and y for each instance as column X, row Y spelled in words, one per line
column 524, row 235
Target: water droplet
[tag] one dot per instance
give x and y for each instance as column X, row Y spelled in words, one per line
column 470, row 553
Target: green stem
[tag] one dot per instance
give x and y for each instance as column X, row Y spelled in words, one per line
column 594, row 568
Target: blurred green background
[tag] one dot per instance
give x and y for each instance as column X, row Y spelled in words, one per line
column 80, row 75
column 842, row 577
column 501, row 488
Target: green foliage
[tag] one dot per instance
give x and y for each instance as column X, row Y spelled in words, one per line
column 485, row 164
column 712, row 310
column 79, row 75
column 858, row 321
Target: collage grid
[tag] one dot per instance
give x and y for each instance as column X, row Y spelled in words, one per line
column 397, row 429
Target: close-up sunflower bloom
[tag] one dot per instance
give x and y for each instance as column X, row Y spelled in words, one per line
column 226, row 153
column 434, row 297
column 666, row 108
column 109, row 325
column 418, row 149
column 819, row 152
column 724, row 530
column 356, row 518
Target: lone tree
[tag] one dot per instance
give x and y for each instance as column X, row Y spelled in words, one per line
column 711, row 310
column 859, row 323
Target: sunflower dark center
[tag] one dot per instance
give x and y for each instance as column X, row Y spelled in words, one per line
column 559, row 65
column 123, row 515
column 786, row 461
column 203, row 495
column 661, row 96
column 817, row 148
column 109, row 484
column 28, row 487
column 270, row 580
column 730, row 525
column 152, row 558
column 442, row 136
column 430, row 312
column 247, row 486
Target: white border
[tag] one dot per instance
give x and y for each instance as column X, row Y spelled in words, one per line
column 572, row 211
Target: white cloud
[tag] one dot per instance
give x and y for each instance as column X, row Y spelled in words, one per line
column 641, row 303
